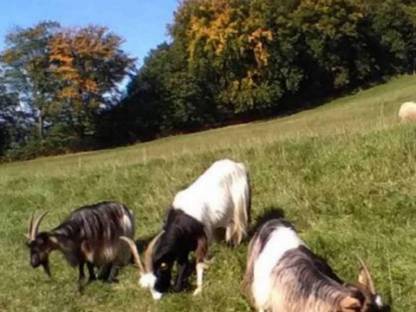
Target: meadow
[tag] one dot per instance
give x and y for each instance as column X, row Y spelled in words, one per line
column 344, row 173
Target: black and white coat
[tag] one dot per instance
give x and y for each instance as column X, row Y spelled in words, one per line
column 219, row 198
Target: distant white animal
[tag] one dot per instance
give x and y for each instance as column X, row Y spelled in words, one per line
column 407, row 112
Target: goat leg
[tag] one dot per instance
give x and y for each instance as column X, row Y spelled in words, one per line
column 200, row 254
column 112, row 274
column 104, row 272
column 81, row 277
column 108, row 273
column 184, row 271
column 91, row 272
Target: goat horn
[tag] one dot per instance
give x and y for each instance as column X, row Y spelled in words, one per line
column 29, row 231
column 35, row 226
column 148, row 254
column 134, row 252
column 368, row 277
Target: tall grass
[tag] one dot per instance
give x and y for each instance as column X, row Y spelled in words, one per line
column 343, row 173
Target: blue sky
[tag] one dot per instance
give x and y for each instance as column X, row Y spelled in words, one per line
column 142, row 23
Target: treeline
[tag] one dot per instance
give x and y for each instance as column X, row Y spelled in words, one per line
column 227, row 61
column 235, row 60
column 55, row 83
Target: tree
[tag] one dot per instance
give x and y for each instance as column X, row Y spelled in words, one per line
column 27, row 69
column 163, row 98
column 229, row 43
column 393, row 24
column 89, row 64
column 7, row 107
column 13, row 129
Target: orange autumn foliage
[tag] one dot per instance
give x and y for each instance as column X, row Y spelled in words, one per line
column 89, row 63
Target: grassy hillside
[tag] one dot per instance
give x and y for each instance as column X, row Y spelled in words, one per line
column 344, row 173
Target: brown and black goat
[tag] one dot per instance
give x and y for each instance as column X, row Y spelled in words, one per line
column 90, row 235
column 284, row 275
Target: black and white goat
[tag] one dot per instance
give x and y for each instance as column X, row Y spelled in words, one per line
column 219, row 198
column 90, row 235
column 284, row 275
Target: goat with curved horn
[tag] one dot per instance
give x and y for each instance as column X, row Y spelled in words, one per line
column 218, row 199
column 283, row 274
column 88, row 236
column 146, row 279
column 34, row 226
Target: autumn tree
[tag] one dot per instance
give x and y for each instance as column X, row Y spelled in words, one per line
column 227, row 42
column 89, row 64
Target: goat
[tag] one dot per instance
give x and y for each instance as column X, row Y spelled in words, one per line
column 407, row 112
column 219, row 198
column 282, row 274
column 90, row 235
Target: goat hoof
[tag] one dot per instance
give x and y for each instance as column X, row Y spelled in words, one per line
column 197, row 291
column 81, row 289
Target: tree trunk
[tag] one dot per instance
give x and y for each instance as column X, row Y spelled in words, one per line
column 40, row 125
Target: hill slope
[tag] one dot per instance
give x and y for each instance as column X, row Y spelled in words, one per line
column 344, row 173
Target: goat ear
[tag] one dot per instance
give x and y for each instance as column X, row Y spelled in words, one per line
column 350, row 304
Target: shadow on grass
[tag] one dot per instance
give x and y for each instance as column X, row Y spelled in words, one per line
column 268, row 214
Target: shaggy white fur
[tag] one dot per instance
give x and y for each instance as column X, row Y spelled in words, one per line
column 407, row 112
column 281, row 240
column 147, row 280
column 219, row 197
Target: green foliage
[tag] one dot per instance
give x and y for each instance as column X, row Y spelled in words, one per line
column 27, row 69
column 394, row 22
column 163, row 98
column 233, row 59
column 13, row 130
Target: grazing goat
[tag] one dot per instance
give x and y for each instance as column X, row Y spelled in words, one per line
column 284, row 275
column 407, row 112
column 219, row 198
column 90, row 235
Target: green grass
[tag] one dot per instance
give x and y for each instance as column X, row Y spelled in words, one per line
column 344, row 173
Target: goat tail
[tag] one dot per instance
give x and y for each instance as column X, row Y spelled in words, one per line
column 241, row 194
column 134, row 252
